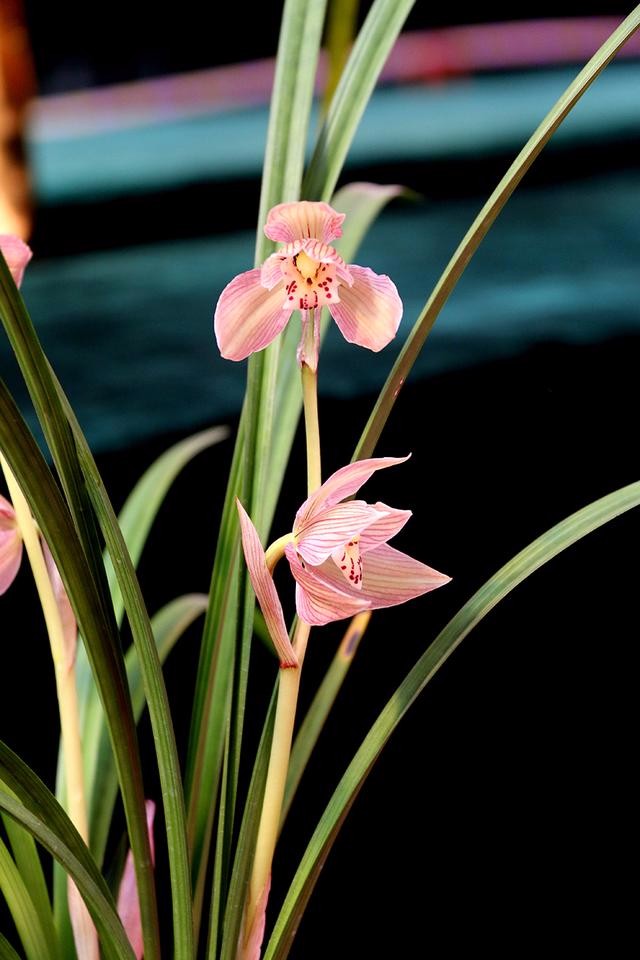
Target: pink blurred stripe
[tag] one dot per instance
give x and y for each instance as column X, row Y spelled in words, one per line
column 420, row 56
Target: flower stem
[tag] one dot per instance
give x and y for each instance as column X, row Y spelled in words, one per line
column 288, row 686
column 275, row 552
column 67, row 699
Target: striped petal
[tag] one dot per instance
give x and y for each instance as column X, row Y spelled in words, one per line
column 388, row 522
column 303, row 219
column 17, row 254
column 322, row 593
column 128, row 901
column 332, row 528
column 10, row 545
column 271, row 271
column 248, row 317
column 265, row 589
column 369, row 312
column 341, row 484
column 391, row 577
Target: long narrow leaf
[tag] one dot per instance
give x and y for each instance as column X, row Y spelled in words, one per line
column 136, row 519
column 549, row 545
column 144, row 501
column 99, row 902
column 155, row 692
column 370, row 51
column 36, row 807
column 28, row 863
column 37, row 945
column 316, row 716
column 284, row 158
column 6, row 950
column 50, row 511
column 480, row 227
column 168, row 626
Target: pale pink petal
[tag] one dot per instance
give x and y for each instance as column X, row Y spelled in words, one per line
column 67, row 618
column 10, row 545
column 17, row 254
column 302, row 219
column 247, row 316
column 392, row 577
column 390, row 521
column 265, row 589
column 128, row 902
column 322, row 593
column 319, row 537
column 389, row 577
column 341, row 484
column 271, row 272
column 370, row 311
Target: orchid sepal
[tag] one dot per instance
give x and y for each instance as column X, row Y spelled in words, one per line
column 265, row 589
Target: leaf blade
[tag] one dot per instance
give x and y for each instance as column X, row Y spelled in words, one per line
column 539, row 552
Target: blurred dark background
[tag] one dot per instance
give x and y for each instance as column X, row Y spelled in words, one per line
column 498, row 819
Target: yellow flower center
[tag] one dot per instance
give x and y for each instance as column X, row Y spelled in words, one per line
column 306, row 267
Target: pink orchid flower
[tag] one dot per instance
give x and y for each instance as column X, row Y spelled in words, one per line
column 305, row 274
column 10, row 545
column 16, row 253
column 339, row 555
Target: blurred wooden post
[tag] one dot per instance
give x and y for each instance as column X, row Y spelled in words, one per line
column 17, row 87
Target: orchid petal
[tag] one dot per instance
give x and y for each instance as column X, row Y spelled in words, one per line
column 247, row 316
column 17, row 254
column 128, row 901
column 318, row 538
column 389, row 522
column 341, row 484
column 392, row 577
column 389, row 578
column 10, row 545
column 271, row 271
column 302, row 219
column 369, row 312
column 265, row 589
column 320, row 598
column 67, row 618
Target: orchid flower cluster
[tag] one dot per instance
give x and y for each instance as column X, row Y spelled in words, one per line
column 337, row 550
